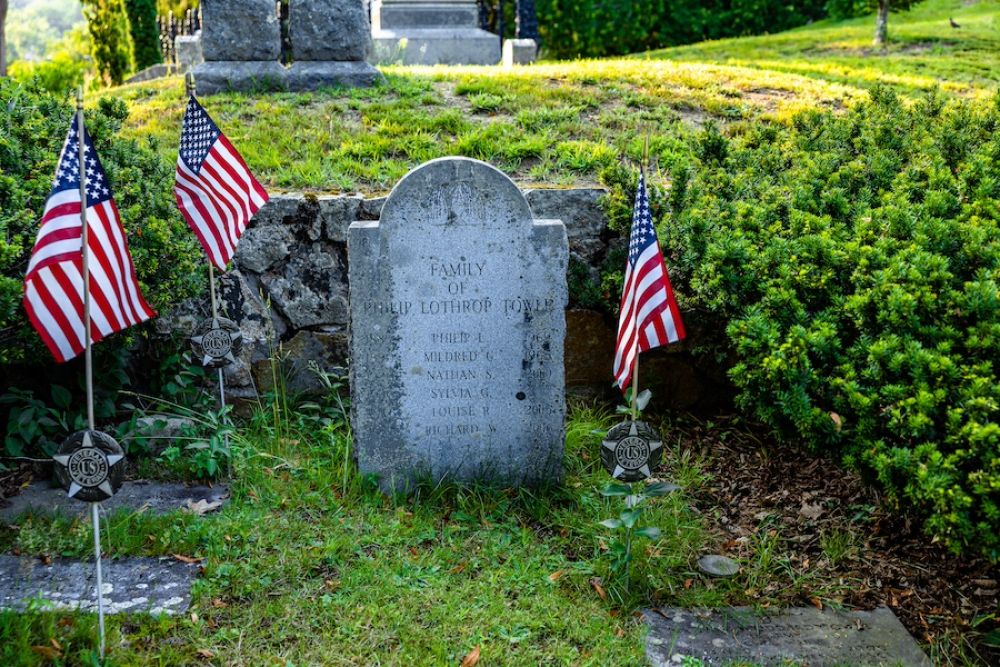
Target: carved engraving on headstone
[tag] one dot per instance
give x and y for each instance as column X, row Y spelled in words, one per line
column 457, row 319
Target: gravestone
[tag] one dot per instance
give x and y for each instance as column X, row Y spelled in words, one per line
column 457, row 320
column 330, row 40
column 145, row 585
column 241, row 44
column 240, row 30
column 431, row 32
column 805, row 635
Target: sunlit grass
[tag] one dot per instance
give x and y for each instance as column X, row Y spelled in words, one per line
column 924, row 52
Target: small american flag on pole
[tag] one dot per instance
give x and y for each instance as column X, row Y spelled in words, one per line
column 215, row 190
column 649, row 315
column 53, row 286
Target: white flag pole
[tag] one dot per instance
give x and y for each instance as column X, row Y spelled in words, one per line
column 192, row 89
column 95, row 516
column 635, row 313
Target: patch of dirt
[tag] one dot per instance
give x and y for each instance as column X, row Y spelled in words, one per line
column 767, row 98
column 15, row 478
column 816, row 508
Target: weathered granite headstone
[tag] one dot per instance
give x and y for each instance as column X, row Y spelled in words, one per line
column 147, row 585
column 804, row 636
column 330, row 41
column 431, row 32
column 458, row 325
column 240, row 30
column 241, row 43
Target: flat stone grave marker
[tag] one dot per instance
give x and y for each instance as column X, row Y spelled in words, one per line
column 151, row 585
column 804, row 636
column 458, row 301
column 159, row 497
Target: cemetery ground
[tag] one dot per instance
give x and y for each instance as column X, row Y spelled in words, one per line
column 563, row 123
column 309, row 564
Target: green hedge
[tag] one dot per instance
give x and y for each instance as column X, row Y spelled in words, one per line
column 33, row 126
column 594, row 28
column 853, row 261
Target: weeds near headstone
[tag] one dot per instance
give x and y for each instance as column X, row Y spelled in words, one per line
column 628, row 521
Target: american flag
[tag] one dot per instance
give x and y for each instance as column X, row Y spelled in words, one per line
column 53, row 286
column 215, row 190
column 649, row 314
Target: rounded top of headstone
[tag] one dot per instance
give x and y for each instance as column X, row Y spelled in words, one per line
column 455, row 190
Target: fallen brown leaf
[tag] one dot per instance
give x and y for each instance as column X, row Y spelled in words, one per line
column 186, row 559
column 556, row 576
column 472, row 658
column 202, row 507
column 47, row 652
column 596, row 583
column 205, row 653
column 458, row 569
column 816, row 602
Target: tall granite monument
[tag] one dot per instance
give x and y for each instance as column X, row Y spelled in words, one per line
column 457, row 329
column 241, row 44
column 431, row 32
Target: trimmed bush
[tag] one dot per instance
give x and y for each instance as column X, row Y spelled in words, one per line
column 111, row 39
column 594, row 28
column 144, row 31
column 854, row 263
column 33, row 126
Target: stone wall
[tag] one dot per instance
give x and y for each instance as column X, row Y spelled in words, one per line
column 288, row 292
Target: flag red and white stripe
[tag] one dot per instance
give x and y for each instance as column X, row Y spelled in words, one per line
column 53, row 286
column 649, row 314
column 215, row 191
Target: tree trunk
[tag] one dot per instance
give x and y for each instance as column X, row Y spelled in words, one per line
column 882, row 23
column 3, row 37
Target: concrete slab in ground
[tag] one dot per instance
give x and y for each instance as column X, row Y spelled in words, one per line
column 161, row 497
column 802, row 635
column 152, row 585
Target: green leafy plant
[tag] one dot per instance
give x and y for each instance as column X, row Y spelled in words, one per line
column 853, row 263
column 144, row 31
column 111, row 39
column 627, row 523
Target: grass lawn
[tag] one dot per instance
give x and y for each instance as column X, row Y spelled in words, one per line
column 563, row 123
column 924, row 51
column 301, row 569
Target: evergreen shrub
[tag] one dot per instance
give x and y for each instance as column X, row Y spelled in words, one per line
column 595, row 28
column 145, row 33
column 33, row 126
column 853, row 261
column 111, row 39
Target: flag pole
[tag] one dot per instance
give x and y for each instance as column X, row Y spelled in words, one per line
column 95, row 516
column 635, row 296
column 192, row 89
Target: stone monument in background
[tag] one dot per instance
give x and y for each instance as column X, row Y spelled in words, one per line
column 431, row 32
column 457, row 299
column 241, row 45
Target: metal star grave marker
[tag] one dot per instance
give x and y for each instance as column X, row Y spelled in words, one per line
column 87, row 466
column 631, row 450
column 218, row 342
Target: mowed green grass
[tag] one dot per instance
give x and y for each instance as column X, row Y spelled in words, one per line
column 300, row 569
column 550, row 124
column 564, row 123
column 924, row 50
